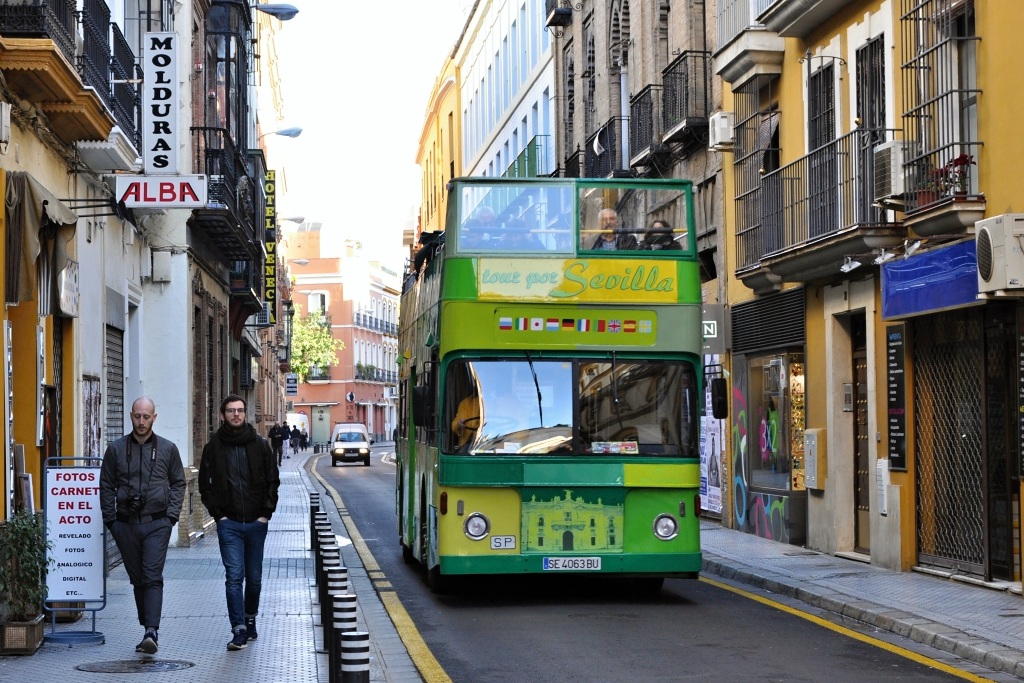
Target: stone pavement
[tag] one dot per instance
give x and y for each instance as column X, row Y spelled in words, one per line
column 194, row 631
column 981, row 624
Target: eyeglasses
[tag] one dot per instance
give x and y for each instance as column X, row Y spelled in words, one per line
column 235, row 411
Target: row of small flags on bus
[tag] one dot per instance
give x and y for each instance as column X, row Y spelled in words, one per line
column 574, row 325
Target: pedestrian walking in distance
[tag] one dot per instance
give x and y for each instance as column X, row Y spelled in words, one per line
column 142, row 486
column 296, row 436
column 277, row 436
column 238, row 482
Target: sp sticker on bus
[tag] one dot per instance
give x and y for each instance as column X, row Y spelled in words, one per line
column 503, row 542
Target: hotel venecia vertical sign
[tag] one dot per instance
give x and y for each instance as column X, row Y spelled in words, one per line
column 161, row 186
column 270, row 240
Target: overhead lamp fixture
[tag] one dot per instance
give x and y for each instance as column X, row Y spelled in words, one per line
column 278, row 10
column 299, row 261
column 884, row 256
column 910, row 247
column 850, row 264
column 293, row 219
column 284, row 132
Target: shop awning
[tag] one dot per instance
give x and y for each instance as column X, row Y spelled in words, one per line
column 40, row 235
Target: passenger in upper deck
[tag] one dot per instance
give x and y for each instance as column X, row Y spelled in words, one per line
column 518, row 237
column 480, row 229
column 612, row 236
column 659, row 237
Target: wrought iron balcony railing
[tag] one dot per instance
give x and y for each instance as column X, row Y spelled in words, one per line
column 644, row 112
column 824, row 193
column 531, row 162
column 53, row 19
column 94, row 62
column 574, row 164
column 685, row 99
column 604, row 149
column 124, row 96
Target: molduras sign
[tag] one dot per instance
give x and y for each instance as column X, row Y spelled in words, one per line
column 160, row 104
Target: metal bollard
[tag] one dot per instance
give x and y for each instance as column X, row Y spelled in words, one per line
column 325, row 564
column 354, row 656
column 337, row 580
column 344, row 612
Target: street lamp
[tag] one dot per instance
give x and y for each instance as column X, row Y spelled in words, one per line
column 278, row 10
column 284, row 132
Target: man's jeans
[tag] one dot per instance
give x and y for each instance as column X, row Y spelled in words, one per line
column 241, row 551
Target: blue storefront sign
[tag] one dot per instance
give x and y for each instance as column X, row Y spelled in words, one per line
column 932, row 281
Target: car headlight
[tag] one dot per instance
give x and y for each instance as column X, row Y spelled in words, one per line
column 665, row 527
column 364, row 451
column 477, row 526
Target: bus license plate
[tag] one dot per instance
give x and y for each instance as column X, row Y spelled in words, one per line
column 572, row 564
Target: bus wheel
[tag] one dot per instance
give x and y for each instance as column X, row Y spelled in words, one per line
column 438, row 583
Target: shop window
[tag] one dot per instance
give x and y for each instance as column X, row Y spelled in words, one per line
column 777, row 420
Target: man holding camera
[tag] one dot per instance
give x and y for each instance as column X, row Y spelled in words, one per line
column 142, row 487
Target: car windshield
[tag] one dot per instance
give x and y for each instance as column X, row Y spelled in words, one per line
column 349, row 437
column 537, row 407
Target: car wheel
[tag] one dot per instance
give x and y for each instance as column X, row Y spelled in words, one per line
column 366, row 461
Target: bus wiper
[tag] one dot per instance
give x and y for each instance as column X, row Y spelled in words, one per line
column 615, row 390
column 540, row 408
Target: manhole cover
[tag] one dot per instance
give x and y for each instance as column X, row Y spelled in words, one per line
column 135, row 666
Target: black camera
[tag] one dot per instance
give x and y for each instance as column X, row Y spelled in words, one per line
column 136, row 503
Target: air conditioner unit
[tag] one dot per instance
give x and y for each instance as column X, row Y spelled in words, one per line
column 1000, row 245
column 720, row 130
column 890, row 179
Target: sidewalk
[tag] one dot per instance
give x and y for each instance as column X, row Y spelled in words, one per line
column 981, row 625
column 194, row 631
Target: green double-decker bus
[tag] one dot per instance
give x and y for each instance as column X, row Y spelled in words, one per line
column 550, row 383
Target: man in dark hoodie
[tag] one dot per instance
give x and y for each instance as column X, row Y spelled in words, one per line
column 238, row 482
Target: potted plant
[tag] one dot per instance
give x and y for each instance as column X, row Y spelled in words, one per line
column 236, row 279
column 953, row 177
column 23, row 563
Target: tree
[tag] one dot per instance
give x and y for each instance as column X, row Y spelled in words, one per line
column 313, row 345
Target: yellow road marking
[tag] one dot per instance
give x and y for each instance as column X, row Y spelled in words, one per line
column 849, row 633
column 422, row 657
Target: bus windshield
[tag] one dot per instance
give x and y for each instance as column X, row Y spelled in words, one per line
column 627, row 407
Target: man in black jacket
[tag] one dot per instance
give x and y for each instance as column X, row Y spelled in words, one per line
column 142, row 486
column 238, row 482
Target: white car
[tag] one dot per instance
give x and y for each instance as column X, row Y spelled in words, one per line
column 350, row 441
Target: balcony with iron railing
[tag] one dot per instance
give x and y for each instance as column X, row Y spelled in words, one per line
column 41, row 65
column 245, row 284
column 817, row 210
column 685, row 97
column 574, row 164
column 532, row 161
column 319, row 374
column 124, row 95
column 604, row 150
column 645, row 125
column 229, row 214
column 745, row 47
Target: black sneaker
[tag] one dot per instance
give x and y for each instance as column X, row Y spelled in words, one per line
column 148, row 644
column 250, row 628
column 239, row 640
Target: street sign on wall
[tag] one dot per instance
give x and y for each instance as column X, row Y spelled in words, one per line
column 291, row 384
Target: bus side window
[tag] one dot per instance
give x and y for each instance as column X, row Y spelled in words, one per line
column 422, row 406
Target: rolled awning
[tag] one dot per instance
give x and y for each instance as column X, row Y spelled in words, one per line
column 40, row 234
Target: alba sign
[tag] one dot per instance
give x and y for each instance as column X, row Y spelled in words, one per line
column 161, row 191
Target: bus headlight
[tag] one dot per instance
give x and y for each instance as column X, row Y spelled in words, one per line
column 477, row 526
column 665, row 527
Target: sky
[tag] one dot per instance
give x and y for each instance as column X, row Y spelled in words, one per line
column 356, row 77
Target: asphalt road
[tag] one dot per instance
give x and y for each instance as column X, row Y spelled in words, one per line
column 563, row 628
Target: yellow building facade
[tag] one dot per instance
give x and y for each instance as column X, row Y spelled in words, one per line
column 875, row 369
